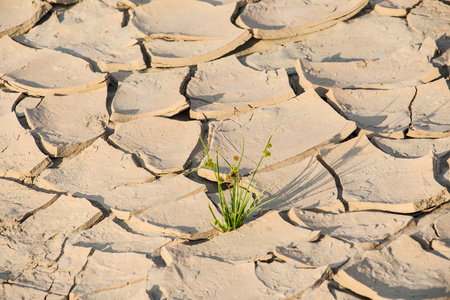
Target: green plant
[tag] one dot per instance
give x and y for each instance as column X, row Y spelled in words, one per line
column 236, row 212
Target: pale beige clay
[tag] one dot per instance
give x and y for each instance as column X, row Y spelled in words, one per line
column 44, row 72
column 63, row 134
column 225, row 87
column 246, row 279
column 179, row 41
column 394, row 8
column 20, row 157
column 19, row 202
column 442, row 228
column 127, row 200
column 430, row 111
column 185, row 217
column 412, row 148
column 68, row 265
column 279, row 19
column 25, row 250
column 93, row 172
column 338, row 43
column 290, row 280
column 442, row 246
column 124, row 4
column 190, row 53
column 306, row 184
column 56, row 266
column 381, row 112
column 168, row 19
column 430, row 18
column 25, row 102
column 101, row 40
column 18, row 16
column 360, row 229
column 164, row 145
column 109, row 236
column 9, row 291
column 86, row 11
column 373, row 180
column 325, row 291
column 58, row 281
column 306, row 122
column 213, row 278
column 423, row 275
column 121, row 271
column 425, row 232
column 7, row 102
column 115, row 213
column 252, row 241
column 14, row 55
column 328, row 251
column 78, row 214
column 10, row 130
column 384, row 73
column 129, row 290
column 150, row 94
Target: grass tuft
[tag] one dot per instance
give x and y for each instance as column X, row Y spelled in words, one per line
column 241, row 205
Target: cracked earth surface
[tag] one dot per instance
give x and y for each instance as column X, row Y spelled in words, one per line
column 101, row 107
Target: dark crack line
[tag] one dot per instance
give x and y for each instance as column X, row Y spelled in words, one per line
column 30, row 213
column 126, row 17
column 185, row 82
column 76, row 276
column 337, row 180
column 63, row 246
column 410, row 108
column 24, row 285
column 145, row 55
column 4, row 149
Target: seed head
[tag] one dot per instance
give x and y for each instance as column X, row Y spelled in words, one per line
column 266, row 153
column 209, row 164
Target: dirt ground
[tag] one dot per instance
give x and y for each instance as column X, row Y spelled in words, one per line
column 102, row 103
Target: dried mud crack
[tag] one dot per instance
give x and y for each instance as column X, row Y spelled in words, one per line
column 102, row 103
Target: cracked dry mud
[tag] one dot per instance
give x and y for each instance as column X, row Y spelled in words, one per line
column 101, row 105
